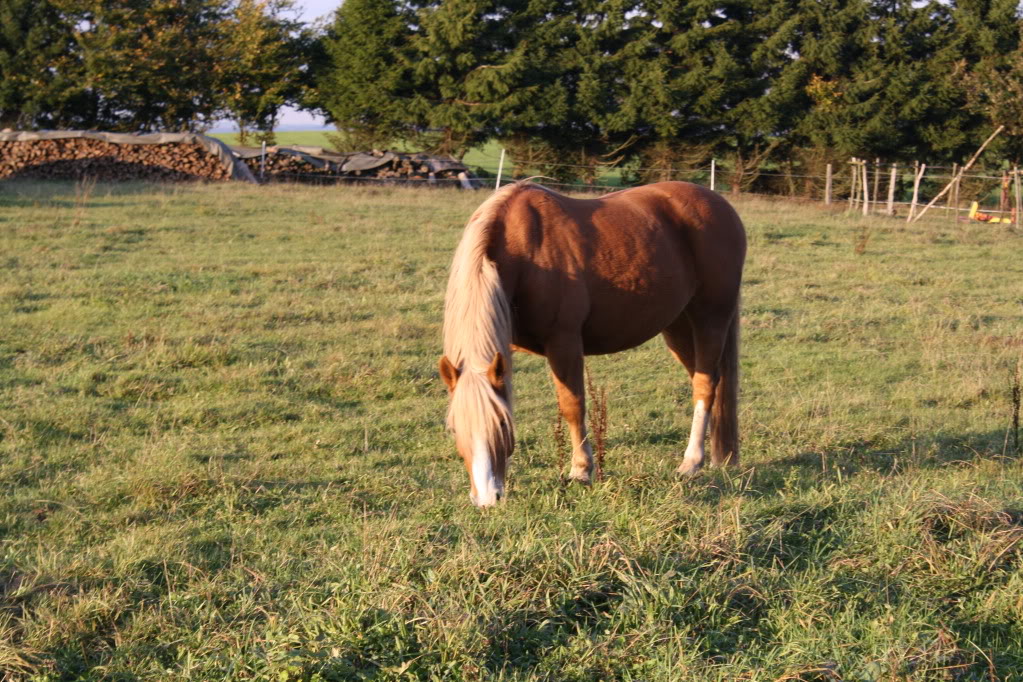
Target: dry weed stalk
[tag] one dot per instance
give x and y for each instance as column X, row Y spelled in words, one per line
column 83, row 193
column 1016, row 396
column 862, row 239
column 598, row 423
column 559, row 444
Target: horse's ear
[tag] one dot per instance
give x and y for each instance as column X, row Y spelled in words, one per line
column 448, row 373
column 496, row 372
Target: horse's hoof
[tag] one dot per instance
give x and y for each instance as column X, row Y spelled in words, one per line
column 581, row 476
column 687, row 470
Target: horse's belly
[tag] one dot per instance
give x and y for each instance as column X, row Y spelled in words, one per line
column 622, row 319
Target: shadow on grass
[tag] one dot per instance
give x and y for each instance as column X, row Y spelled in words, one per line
column 848, row 461
column 519, row 640
column 923, row 452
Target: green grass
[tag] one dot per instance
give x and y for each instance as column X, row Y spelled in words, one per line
column 222, row 457
column 310, row 138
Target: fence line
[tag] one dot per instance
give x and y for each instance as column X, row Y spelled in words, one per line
column 898, row 176
column 724, row 170
column 353, row 179
column 720, row 167
column 856, row 193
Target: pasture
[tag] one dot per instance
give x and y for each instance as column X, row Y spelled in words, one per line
column 222, row 456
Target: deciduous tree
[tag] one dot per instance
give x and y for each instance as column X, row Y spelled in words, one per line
column 261, row 64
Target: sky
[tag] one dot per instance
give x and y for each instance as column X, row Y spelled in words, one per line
column 314, row 9
column 308, row 11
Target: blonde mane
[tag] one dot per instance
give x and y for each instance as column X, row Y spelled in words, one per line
column 477, row 326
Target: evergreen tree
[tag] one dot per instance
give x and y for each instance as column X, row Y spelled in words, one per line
column 364, row 84
column 485, row 68
column 890, row 99
column 39, row 72
column 830, row 38
column 994, row 90
column 983, row 39
column 583, row 68
column 746, row 44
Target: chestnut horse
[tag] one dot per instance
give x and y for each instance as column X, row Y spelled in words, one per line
column 560, row 277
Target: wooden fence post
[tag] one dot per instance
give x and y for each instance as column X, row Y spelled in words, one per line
column 827, row 187
column 891, row 190
column 866, row 189
column 877, row 179
column 948, row 202
column 917, row 177
column 1019, row 195
column 854, row 184
column 500, row 170
column 713, row 174
column 955, row 198
column 1003, row 199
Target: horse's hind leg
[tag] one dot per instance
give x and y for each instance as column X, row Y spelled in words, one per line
column 565, row 357
column 697, row 339
column 681, row 342
column 679, row 338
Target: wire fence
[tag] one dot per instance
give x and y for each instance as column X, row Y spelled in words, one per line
column 987, row 193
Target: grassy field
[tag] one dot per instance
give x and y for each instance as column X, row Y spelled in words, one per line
column 312, row 138
column 222, row 457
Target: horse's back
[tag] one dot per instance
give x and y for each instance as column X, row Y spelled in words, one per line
column 616, row 269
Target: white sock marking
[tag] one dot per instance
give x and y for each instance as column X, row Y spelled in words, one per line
column 694, row 451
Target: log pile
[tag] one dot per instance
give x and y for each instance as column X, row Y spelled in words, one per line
column 76, row 158
column 401, row 166
column 314, row 164
column 281, row 165
column 111, row 157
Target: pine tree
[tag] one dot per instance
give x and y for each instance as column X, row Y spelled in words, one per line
column 984, row 37
column 39, row 72
column 858, row 82
column 588, row 116
column 484, row 69
column 364, row 83
column 994, row 90
column 831, row 37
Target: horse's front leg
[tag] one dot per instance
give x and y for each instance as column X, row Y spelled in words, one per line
column 565, row 357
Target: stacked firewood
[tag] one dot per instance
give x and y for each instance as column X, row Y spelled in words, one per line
column 307, row 164
column 402, row 167
column 77, row 157
column 286, row 165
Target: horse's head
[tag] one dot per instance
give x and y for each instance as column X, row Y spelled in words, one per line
column 480, row 418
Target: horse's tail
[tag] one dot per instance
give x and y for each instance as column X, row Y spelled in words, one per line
column 724, row 434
